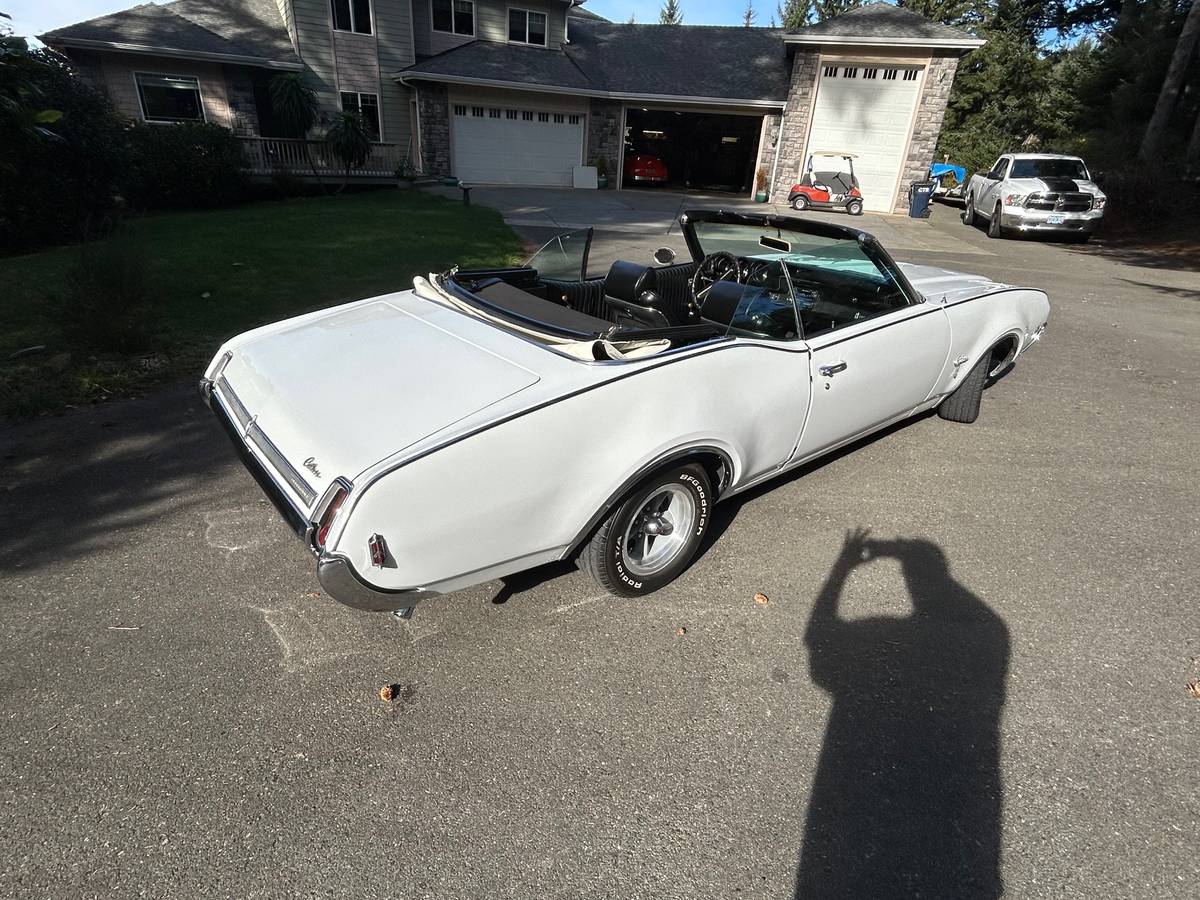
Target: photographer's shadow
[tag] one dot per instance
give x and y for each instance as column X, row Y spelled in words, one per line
column 906, row 801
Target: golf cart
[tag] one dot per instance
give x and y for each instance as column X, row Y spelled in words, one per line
column 832, row 187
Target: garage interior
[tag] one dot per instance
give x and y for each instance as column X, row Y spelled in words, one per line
column 702, row 151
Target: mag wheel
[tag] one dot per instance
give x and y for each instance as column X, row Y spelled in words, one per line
column 854, row 207
column 799, row 202
column 653, row 535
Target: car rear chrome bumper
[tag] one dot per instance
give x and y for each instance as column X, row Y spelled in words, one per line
column 335, row 573
column 656, row 179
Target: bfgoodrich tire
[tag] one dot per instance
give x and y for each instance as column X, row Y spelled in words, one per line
column 963, row 404
column 652, row 536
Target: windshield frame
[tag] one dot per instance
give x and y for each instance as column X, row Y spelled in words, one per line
column 870, row 245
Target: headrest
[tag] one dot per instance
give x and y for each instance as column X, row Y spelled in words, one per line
column 629, row 280
column 721, row 302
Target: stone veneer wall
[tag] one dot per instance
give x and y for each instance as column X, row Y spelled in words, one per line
column 604, row 135
column 766, row 153
column 433, row 107
column 931, row 110
column 801, row 91
column 243, row 111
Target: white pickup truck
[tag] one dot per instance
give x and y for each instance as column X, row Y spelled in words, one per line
column 1035, row 193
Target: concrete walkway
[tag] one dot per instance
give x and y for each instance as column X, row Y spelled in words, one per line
column 656, row 212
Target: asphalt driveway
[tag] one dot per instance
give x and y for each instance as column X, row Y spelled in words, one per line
column 184, row 715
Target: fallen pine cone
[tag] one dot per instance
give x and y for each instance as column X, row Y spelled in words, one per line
column 1194, row 689
column 761, row 599
column 681, row 631
column 387, row 693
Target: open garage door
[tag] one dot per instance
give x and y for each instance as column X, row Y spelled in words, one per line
column 867, row 110
column 699, row 151
column 515, row 145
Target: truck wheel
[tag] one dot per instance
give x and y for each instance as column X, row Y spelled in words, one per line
column 799, row 203
column 854, row 207
column 995, row 229
column 963, row 404
column 651, row 537
column 968, row 216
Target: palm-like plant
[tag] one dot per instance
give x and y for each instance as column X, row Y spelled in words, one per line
column 295, row 107
column 349, row 142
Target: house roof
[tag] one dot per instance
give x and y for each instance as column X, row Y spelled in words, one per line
column 701, row 63
column 578, row 12
column 246, row 31
column 883, row 23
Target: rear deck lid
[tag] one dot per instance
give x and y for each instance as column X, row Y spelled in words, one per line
column 340, row 392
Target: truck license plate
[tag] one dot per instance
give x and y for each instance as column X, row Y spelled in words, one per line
column 1054, row 220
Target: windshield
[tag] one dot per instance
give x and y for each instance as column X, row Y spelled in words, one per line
column 565, row 257
column 1049, row 168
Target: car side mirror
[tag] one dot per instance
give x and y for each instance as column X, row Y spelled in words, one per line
column 664, row 256
column 993, row 176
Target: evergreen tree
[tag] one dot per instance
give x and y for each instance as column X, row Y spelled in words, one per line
column 748, row 14
column 827, row 9
column 671, row 13
column 792, row 14
column 632, row 19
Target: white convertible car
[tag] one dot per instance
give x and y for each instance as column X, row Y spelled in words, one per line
column 486, row 422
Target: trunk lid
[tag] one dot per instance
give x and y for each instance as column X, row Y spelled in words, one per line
column 337, row 393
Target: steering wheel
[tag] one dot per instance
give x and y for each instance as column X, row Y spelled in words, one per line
column 719, row 266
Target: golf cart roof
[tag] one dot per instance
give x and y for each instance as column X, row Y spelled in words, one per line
column 834, row 153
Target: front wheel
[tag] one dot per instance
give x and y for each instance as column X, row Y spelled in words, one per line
column 651, row 537
column 854, row 207
column 995, row 229
column 799, row 203
column 968, row 215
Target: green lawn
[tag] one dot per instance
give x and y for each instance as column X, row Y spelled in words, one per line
column 214, row 274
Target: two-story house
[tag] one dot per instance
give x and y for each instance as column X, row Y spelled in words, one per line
column 521, row 91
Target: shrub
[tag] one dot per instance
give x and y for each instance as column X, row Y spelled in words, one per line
column 62, row 153
column 108, row 305
column 184, row 166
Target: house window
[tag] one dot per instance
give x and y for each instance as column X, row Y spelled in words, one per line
column 352, row 15
column 543, row 117
column 454, row 16
column 510, row 114
column 170, row 98
column 574, row 120
column 850, row 73
column 526, row 116
column 477, row 112
column 493, row 113
column 910, row 74
column 870, row 73
column 366, row 107
column 831, row 71
column 559, row 118
column 460, row 109
column 526, row 27
column 889, row 74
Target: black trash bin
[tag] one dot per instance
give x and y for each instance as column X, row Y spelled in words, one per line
column 919, row 195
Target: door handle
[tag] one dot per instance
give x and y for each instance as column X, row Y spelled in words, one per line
column 832, row 369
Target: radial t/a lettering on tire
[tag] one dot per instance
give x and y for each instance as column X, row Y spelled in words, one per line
column 651, row 537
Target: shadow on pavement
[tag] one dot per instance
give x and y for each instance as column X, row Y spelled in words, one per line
column 906, row 800
column 80, row 483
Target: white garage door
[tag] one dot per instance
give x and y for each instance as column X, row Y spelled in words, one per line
column 867, row 110
column 510, row 145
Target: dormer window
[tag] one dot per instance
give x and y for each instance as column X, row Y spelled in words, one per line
column 352, row 15
column 454, row 16
column 526, row 27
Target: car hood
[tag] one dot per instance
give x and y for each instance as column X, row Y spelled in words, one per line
column 946, row 286
column 337, row 392
column 1041, row 185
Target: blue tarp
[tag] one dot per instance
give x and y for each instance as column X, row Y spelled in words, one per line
column 937, row 170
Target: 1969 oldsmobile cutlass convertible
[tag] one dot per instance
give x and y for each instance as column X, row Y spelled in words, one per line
column 486, row 422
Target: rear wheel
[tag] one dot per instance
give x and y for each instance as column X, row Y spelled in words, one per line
column 650, row 539
column 995, row 229
column 799, row 202
column 854, row 207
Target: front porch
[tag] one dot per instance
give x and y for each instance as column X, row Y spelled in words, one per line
column 302, row 158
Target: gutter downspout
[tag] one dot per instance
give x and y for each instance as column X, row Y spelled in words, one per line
column 778, row 147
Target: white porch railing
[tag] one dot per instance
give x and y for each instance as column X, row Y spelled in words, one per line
column 265, row 156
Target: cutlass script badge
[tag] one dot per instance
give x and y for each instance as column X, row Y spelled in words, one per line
column 311, row 465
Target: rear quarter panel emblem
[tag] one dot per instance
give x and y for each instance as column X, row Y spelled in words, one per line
column 311, row 465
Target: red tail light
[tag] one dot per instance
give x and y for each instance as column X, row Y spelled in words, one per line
column 329, row 515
